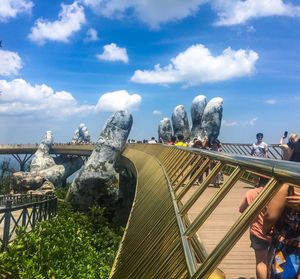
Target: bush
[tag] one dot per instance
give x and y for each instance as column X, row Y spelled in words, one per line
column 5, row 185
column 72, row 245
column 61, row 192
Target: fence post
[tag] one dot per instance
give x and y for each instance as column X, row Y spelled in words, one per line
column 24, row 213
column 33, row 215
column 6, row 229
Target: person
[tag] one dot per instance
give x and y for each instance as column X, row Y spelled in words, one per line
column 195, row 143
column 288, row 148
column 259, row 148
column 296, row 150
column 216, row 146
column 282, row 219
column 152, row 141
column 172, row 140
column 260, row 242
column 180, row 141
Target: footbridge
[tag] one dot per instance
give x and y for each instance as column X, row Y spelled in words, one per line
column 180, row 225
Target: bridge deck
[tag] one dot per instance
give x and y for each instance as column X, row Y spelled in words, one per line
column 240, row 262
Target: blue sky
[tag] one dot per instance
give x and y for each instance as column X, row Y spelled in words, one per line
column 71, row 62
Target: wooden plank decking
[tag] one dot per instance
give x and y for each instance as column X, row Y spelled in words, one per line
column 240, row 262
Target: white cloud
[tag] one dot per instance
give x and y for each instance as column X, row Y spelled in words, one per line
column 10, row 8
column 151, row 12
column 271, row 102
column 197, row 65
column 155, row 12
column 19, row 97
column 118, row 100
column 235, row 123
column 229, row 123
column 10, row 63
column 91, row 35
column 156, row 112
column 232, row 12
column 113, row 53
column 71, row 18
column 252, row 121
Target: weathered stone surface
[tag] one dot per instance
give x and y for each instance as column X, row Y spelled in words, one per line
column 165, row 129
column 81, row 135
column 206, row 119
column 197, row 110
column 24, row 181
column 55, row 170
column 212, row 118
column 97, row 181
column 41, row 159
column 70, row 164
column 46, row 188
column 44, row 167
column 180, row 122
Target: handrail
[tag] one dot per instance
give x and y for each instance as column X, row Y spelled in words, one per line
column 274, row 151
column 158, row 202
column 20, row 199
column 71, row 149
column 24, row 211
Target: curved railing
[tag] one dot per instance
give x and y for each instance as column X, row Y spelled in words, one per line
column 23, row 211
column 161, row 240
column 274, row 151
column 86, row 149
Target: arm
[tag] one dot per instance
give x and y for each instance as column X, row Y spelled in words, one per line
column 281, row 142
column 286, row 150
column 244, row 204
column 275, row 208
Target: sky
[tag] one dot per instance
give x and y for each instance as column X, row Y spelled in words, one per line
column 63, row 63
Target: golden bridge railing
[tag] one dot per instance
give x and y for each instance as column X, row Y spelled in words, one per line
column 274, row 151
column 160, row 240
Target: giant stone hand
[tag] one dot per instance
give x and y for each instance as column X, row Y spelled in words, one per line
column 97, row 181
column 206, row 120
column 45, row 168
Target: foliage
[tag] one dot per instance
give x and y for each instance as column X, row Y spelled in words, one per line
column 72, row 245
column 61, row 192
column 5, row 185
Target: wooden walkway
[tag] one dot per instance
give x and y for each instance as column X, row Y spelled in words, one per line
column 240, row 262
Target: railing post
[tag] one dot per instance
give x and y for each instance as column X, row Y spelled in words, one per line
column 24, row 213
column 6, row 229
column 33, row 215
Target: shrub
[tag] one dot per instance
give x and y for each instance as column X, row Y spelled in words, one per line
column 71, row 245
column 5, row 185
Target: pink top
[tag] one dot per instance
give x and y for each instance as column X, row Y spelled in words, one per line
column 257, row 225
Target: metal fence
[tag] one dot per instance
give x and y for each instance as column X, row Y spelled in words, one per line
column 160, row 240
column 274, row 151
column 23, row 211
